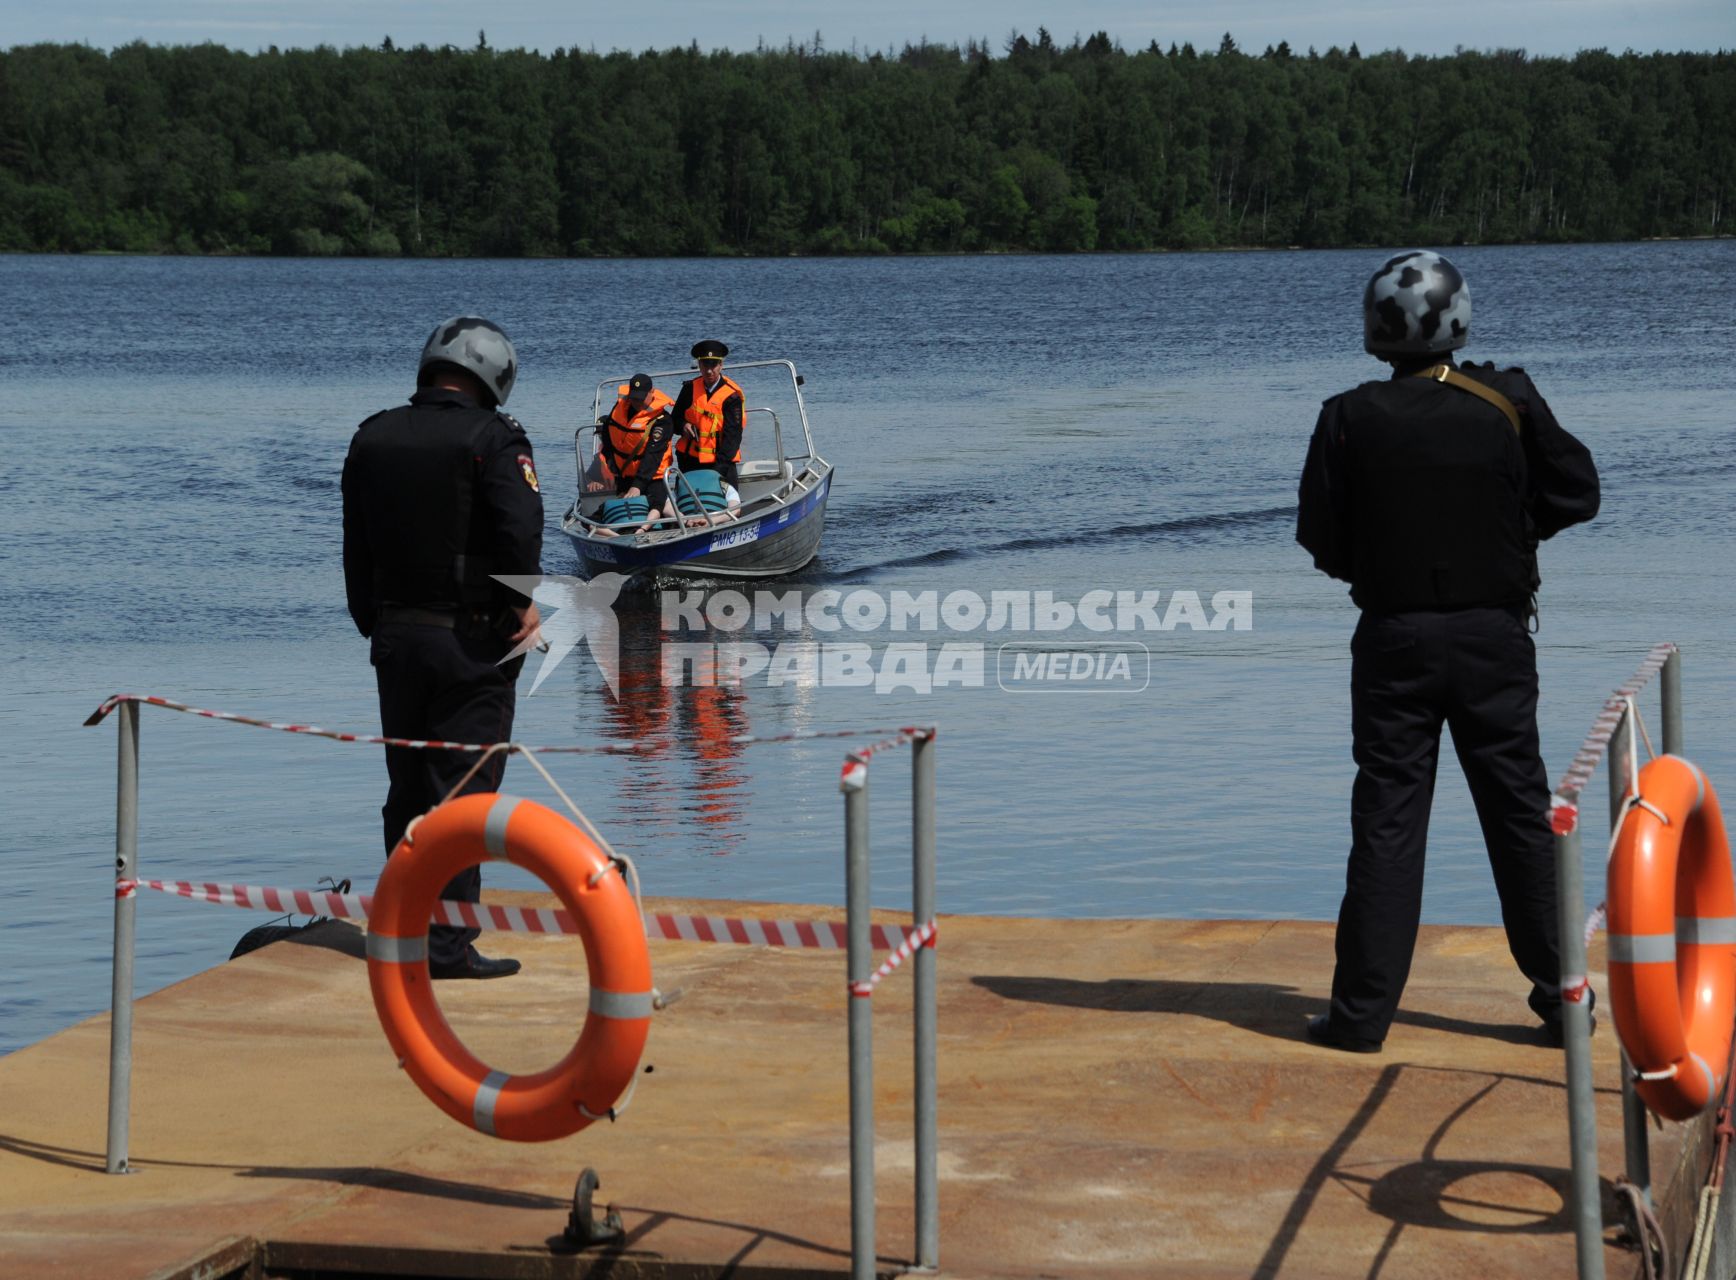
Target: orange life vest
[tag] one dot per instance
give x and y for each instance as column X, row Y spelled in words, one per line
column 629, row 432
column 706, row 415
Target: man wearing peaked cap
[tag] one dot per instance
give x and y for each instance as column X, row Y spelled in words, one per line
column 710, row 413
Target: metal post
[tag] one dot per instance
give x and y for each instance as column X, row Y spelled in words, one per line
column 860, row 963
column 927, row 1114
column 126, row 901
column 1671, row 692
column 1636, row 1146
column 1576, row 1032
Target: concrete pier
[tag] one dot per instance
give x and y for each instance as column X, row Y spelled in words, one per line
column 1117, row 1099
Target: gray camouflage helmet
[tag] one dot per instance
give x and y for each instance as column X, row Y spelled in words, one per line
column 1416, row 304
column 477, row 346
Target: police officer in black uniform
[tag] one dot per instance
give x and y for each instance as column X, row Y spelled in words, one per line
column 1429, row 493
column 439, row 495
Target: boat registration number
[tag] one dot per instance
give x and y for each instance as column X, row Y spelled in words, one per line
column 735, row 537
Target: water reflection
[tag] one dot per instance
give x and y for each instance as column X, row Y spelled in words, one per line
column 689, row 778
column 641, row 712
column 712, row 716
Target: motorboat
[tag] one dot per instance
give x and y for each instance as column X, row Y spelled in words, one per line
column 783, row 484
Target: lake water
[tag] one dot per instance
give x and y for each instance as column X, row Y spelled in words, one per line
column 169, row 524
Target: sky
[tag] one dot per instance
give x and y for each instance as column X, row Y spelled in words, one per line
column 1542, row 27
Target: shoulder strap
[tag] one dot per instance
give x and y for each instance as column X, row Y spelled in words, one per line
column 1453, row 378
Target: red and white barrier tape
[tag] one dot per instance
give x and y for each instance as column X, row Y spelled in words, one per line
column 421, row 744
column 826, row 935
column 1565, row 815
column 855, row 772
column 370, row 739
column 356, row 906
column 924, row 936
column 1575, row 986
column 1596, row 920
column 909, row 733
column 1564, row 801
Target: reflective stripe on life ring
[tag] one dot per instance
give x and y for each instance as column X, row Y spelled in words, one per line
column 1672, row 939
column 583, row 1085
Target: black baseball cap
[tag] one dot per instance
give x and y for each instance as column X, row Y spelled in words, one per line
column 639, row 386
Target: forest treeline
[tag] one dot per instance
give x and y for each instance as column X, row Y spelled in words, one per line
column 1034, row 146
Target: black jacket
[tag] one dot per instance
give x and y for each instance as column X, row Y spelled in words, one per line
column 439, row 494
column 1422, row 496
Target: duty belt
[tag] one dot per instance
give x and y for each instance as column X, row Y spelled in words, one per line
column 447, row 618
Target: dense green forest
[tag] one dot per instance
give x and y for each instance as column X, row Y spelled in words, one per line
column 1034, row 146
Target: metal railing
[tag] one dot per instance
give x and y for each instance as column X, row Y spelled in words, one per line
column 126, row 906
column 854, row 785
column 860, row 976
column 1613, row 734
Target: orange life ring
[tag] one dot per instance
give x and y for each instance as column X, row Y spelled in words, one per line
column 582, row 1086
column 1672, row 939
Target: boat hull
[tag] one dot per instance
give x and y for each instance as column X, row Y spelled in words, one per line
column 775, row 542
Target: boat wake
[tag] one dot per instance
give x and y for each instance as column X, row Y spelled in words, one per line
column 1181, row 530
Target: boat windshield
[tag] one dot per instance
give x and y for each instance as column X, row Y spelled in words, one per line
column 775, row 428
column 778, row 459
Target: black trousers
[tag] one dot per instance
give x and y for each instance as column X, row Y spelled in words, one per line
column 442, row 683
column 1475, row 670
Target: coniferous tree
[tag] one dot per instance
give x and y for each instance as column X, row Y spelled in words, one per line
column 930, row 148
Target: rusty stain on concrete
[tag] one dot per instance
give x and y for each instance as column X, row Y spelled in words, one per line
column 1117, row 1099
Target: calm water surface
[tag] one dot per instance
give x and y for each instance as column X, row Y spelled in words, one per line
column 169, row 524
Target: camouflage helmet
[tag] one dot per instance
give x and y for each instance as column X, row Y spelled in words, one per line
column 476, row 346
column 1416, row 304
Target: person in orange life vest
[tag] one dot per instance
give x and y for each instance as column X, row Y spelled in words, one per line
column 709, row 410
column 633, row 446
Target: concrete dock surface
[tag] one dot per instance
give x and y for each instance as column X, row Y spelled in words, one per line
column 1117, row 1099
